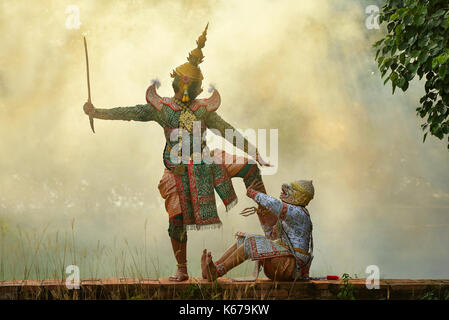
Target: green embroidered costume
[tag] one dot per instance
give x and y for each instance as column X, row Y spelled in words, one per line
column 188, row 186
column 197, row 181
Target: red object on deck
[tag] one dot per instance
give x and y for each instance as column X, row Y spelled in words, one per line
column 331, row 277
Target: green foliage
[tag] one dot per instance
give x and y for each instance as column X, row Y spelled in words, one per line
column 347, row 290
column 417, row 43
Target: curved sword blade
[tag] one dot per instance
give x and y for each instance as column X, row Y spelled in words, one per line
column 91, row 119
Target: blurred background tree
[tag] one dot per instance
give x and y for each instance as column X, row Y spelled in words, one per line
column 416, row 43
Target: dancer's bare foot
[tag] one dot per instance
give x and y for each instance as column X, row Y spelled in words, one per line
column 212, row 273
column 181, row 275
column 204, row 264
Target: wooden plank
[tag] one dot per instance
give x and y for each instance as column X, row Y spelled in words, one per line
column 223, row 288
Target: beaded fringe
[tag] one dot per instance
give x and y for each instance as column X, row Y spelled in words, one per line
column 203, row 227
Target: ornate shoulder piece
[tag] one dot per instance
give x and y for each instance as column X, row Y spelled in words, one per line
column 157, row 101
column 211, row 103
column 169, row 102
column 152, row 96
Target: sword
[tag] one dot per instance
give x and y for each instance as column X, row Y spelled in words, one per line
column 91, row 119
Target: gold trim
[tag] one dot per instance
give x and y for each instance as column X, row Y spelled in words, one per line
column 299, row 188
column 281, row 243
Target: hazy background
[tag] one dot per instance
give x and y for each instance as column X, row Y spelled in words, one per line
column 68, row 196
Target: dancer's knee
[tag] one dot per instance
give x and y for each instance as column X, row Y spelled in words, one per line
column 176, row 229
column 245, row 242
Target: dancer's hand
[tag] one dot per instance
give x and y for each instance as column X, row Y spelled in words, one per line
column 248, row 211
column 88, row 108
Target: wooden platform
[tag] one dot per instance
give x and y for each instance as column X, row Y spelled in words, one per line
column 129, row 288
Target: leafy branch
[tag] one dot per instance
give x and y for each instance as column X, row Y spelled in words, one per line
column 416, row 44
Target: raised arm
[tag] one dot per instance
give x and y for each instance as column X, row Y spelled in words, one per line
column 281, row 209
column 142, row 112
column 274, row 205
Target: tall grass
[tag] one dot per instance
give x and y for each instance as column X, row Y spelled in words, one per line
column 42, row 254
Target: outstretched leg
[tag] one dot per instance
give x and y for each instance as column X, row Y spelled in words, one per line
column 225, row 255
column 215, row 270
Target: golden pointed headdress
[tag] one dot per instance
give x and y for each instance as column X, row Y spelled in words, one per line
column 190, row 70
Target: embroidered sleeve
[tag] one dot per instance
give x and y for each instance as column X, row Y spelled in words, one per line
column 272, row 204
column 145, row 112
column 214, row 121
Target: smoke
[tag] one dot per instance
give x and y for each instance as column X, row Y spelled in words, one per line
column 304, row 67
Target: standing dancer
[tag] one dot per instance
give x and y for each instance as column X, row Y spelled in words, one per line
column 188, row 187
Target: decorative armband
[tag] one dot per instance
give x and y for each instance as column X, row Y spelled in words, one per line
column 251, row 193
column 283, row 213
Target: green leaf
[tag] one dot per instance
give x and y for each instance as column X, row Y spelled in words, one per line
column 402, row 83
column 439, row 13
column 387, row 62
column 423, row 99
column 420, row 20
column 443, row 58
column 379, row 42
column 402, row 58
column 394, row 76
column 415, row 53
column 402, row 12
column 394, row 16
column 411, row 40
column 423, row 42
column 423, row 56
column 412, row 67
column 422, row 10
column 377, row 54
column 435, row 63
column 432, row 46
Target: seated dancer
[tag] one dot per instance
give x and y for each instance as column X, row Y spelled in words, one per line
column 286, row 250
